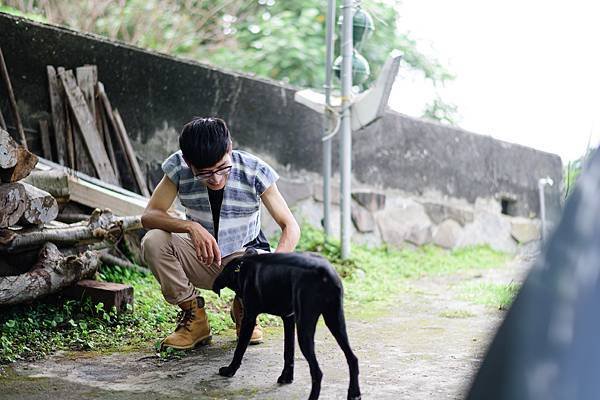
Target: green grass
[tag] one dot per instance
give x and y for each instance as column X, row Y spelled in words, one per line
column 373, row 279
column 494, row 295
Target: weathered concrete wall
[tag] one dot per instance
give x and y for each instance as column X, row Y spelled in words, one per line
column 157, row 94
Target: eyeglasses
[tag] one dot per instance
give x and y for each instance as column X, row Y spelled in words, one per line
column 208, row 174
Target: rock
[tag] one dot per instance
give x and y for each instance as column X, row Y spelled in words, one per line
column 363, row 220
column 334, row 193
column 403, row 221
column 524, row 230
column 294, row 191
column 419, row 235
column 493, row 229
column 371, row 200
column 447, row 234
column 370, row 239
column 439, row 212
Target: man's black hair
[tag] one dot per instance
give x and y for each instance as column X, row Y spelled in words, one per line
column 204, row 141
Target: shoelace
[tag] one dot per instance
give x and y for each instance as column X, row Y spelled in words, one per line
column 184, row 317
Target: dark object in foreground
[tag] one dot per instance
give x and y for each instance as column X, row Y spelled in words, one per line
column 298, row 287
column 547, row 347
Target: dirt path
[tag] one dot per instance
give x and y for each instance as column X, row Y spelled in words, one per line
column 415, row 352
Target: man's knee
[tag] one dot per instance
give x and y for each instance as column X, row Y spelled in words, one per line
column 153, row 244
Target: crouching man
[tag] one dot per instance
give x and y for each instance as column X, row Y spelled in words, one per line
column 221, row 190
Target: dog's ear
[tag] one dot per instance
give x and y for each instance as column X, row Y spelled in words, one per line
column 218, row 285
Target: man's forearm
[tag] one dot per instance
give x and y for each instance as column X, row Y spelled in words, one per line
column 289, row 239
column 158, row 219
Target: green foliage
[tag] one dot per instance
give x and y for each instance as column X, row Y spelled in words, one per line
column 499, row 296
column 572, row 171
column 375, row 275
column 439, row 110
column 282, row 40
column 372, row 280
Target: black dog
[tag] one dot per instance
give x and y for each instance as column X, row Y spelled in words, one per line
column 298, row 287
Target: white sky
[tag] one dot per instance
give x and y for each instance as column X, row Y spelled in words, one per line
column 528, row 71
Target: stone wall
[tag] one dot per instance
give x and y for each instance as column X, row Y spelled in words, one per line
column 157, row 94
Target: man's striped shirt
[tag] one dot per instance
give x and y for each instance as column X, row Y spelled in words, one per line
column 239, row 221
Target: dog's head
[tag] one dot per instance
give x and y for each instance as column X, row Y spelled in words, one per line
column 230, row 275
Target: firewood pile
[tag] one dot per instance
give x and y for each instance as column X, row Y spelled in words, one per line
column 38, row 254
column 64, row 211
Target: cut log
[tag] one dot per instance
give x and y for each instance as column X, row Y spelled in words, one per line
column 58, row 115
column 54, row 181
column 138, row 174
column 109, row 294
column 50, row 274
column 102, row 226
column 109, row 259
column 41, row 206
column 45, row 135
column 12, row 203
column 25, row 160
column 12, row 100
column 9, row 150
column 87, row 126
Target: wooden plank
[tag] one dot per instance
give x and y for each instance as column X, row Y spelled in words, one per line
column 107, row 107
column 87, row 126
column 12, row 100
column 46, row 165
column 139, row 176
column 71, row 161
column 107, row 138
column 91, row 195
column 45, row 135
column 87, row 78
column 2, row 121
column 58, row 115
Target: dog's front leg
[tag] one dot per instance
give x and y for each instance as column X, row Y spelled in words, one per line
column 287, row 375
column 248, row 323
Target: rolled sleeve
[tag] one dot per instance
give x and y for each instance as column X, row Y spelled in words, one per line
column 172, row 168
column 265, row 177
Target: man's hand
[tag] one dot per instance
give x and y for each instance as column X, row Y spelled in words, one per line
column 205, row 244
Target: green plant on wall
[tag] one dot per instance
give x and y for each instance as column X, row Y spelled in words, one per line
column 282, row 40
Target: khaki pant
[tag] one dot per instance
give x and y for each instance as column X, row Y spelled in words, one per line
column 173, row 261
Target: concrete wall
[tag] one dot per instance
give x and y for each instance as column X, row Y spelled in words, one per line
column 157, row 94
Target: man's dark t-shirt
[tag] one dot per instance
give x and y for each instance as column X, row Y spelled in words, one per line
column 216, row 199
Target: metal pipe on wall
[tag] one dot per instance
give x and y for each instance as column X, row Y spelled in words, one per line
column 346, row 127
column 330, row 26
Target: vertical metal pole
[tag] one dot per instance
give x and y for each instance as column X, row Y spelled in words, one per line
column 326, row 121
column 541, row 185
column 346, row 127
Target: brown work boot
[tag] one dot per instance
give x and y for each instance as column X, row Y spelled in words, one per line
column 237, row 313
column 192, row 328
